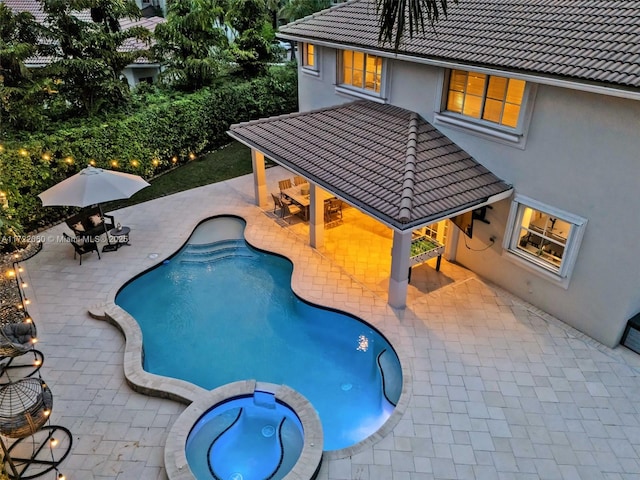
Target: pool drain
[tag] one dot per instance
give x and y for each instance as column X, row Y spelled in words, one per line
column 236, row 476
column 268, row 431
column 346, row 387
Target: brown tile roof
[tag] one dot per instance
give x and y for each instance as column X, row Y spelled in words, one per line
column 592, row 40
column 386, row 160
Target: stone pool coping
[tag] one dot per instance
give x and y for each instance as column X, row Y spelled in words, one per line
column 184, row 392
column 308, row 463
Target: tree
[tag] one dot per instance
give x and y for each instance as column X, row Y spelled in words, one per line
column 252, row 48
column 191, row 44
column 88, row 47
column 394, row 14
column 21, row 89
column 295, row 9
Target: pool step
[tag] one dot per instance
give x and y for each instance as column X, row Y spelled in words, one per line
column 212, row 252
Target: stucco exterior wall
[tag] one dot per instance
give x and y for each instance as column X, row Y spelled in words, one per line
column 134, row 74
column 582, row 155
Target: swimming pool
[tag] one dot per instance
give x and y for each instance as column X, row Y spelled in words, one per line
column 220, row 311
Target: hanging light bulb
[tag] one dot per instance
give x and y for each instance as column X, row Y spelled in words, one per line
column 28, row 320
column 27, row 301
column 46, row 412
column 34, row 340
column 20, row 269
column 53, row 442
column 11, row 273
column 24, row 284
column 61, row 477
column 37, row 362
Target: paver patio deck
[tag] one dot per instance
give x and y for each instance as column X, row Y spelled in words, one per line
column 495, row 389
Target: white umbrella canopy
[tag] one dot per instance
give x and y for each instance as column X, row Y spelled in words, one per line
column 91, row 186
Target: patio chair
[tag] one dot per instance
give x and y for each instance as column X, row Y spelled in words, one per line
column 284, row 184
column 277, row 203
column 332, row 206
column 87, row 246
column 289, row 209
column 17, row 338
column 298, row 180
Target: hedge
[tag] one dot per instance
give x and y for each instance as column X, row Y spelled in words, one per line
column 159, row 135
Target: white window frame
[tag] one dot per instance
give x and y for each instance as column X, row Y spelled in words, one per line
column 484, row 128
column 530, row 261
column 360, row 92
column 310, row 69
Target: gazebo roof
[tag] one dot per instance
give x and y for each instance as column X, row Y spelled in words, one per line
column 387, row 161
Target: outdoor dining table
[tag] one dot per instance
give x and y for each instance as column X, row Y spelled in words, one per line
column 295, row 195
column 302, row 200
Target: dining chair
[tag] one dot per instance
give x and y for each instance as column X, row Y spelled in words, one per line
column 332, row 206
column 289, row 210
column 298, row 180
column 284, row 184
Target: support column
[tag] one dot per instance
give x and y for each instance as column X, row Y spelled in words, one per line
column 399, row 279
column 259, row 178
column 316, row 216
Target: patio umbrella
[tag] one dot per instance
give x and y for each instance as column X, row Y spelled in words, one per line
column 92, row 186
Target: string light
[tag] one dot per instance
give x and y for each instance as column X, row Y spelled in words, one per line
column 23, row 152
column 37, row 362
column 61, row 477
column 1, row 148
column 46, row 412
column 92, row 162
column 174, row 159
column 46, row 157
column 34, row 340
column 54, row 441
column 114, row 163
column 192, row 156
column 27, row 301
column 69, row 160
column 155, row 162
column 135, row 163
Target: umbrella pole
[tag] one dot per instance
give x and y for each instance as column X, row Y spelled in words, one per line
column 102, row 216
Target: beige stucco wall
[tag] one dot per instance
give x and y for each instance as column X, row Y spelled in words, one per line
column 582, row 155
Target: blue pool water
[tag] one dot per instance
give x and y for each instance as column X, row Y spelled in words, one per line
column 248, row 438
column 220, row 311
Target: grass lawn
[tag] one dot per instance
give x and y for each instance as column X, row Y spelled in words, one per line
column 230, row 161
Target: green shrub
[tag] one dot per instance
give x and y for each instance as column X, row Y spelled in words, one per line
column 166, row 129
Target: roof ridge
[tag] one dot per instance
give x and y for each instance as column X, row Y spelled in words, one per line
column 408, row 182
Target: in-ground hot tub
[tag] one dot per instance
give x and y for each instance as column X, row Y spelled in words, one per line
column 246, row 431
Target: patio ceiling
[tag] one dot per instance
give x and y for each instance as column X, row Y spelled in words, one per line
column 387, row 161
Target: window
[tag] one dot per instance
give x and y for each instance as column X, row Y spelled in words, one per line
column 487, row 97
column 544, row 237
column 362, row 71
column 309, row 56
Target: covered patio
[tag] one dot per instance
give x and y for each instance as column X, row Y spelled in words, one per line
column 386, row 162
